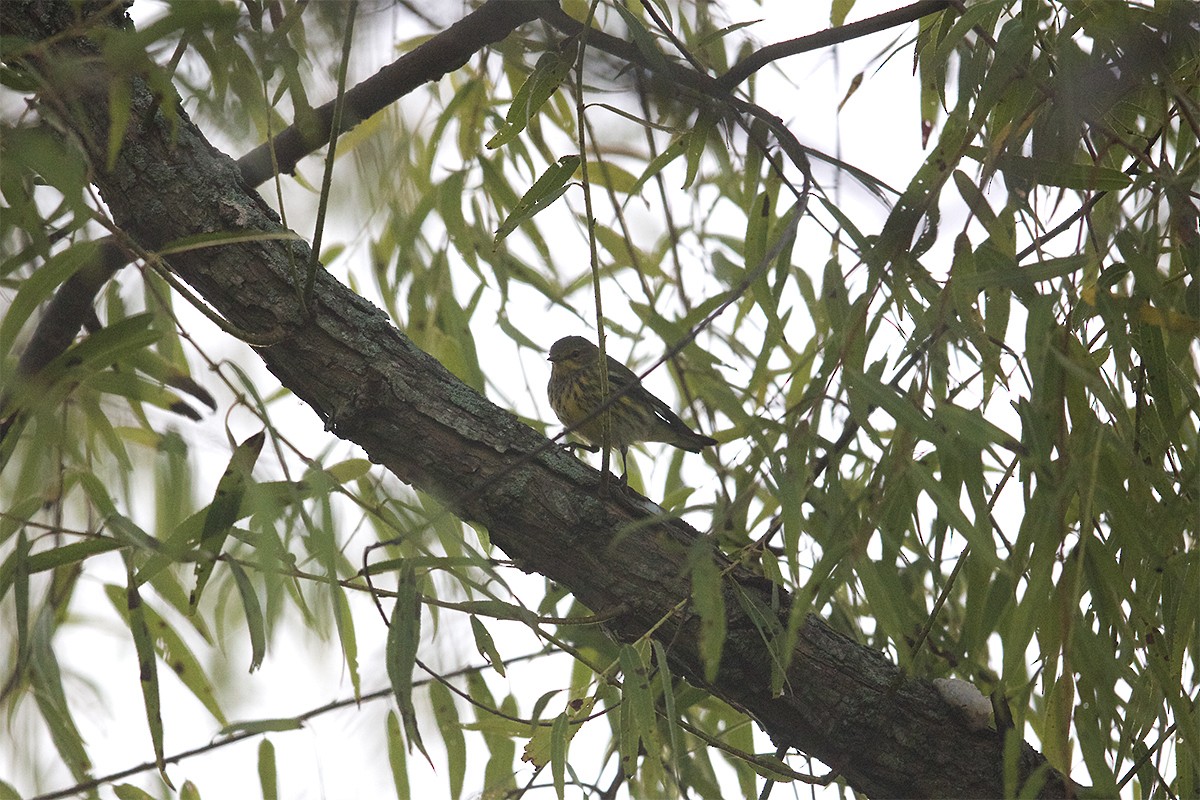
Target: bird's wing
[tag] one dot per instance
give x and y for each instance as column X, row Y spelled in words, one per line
column 621, row 377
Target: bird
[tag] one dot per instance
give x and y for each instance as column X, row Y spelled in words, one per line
column 635, row 414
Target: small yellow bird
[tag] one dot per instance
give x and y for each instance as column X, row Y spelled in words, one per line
column 634, row 416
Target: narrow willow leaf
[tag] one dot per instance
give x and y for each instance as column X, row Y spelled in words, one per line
column 709, row 601
column 46, row 681
column 138, row 390
column 1158, row 371
column 8, row 791
column 147, row 665
column 268, row 775
column 560, row 741
column 1094, row 738
column 174, row 652
column 545, row 190
column 446, row 714
column 758, row 224
column 189, row 791
column 499, row 735
column 697, row 142
column 404, row 636
column 537, row 749
column 127, row 791
column 485, row 645
column 645, row 42
column 263, row 726
column 973, row 427
column 20, row 558
column 770, row 630
column 397, row 757
column 124, row 530
column 255, row 624
column 1056, row 730
column 223, row 511
column 498, row 609
column 548, row 74
column 672, row 151
column 349, row 470
column 674, row 735
column 206, row 241
column 770, row 767
column 346, row 636
column 898, row 406
column 627, row 739
column 973, row 196
column 1049, row 172
column 637, row 696
column 838, row 11
column 1021, row 278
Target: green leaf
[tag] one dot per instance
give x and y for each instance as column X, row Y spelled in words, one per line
column 403, row 639
column 1045, row 172
column 637, row 696
column 1056, row 730
column 45, row 680
column 770, row 630
column 673, row 151
column 545, row 190
column 697, row 142
column 349, row 470
column 127, row 791
column 1022, row 279
column 485, row 645
column 268, row 776
column 560, row 742
column 223, row 511
column 255, row 624
column 147, row 664
column 263, row 726
column 170, row 647
column 548, row 74
column 645, row 42
column 674, row 734
column 498, row 609
column 498, row 733
column 538, row 748
column 709, row 601
column 898, row 406
column 347, row 637
column 446, row 714
column 838, row 11
column 397, row 757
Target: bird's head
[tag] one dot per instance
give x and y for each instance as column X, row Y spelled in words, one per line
column 572, row 352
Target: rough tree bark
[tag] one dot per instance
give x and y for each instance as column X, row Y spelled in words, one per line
column 843, row 703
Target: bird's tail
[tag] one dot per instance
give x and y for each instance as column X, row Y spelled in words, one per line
column 675, row 431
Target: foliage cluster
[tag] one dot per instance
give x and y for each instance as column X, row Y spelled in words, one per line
column 960, row 425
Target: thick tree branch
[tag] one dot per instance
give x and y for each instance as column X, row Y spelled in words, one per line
column 445, row 52
column 829, row 37
column 841, row 702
